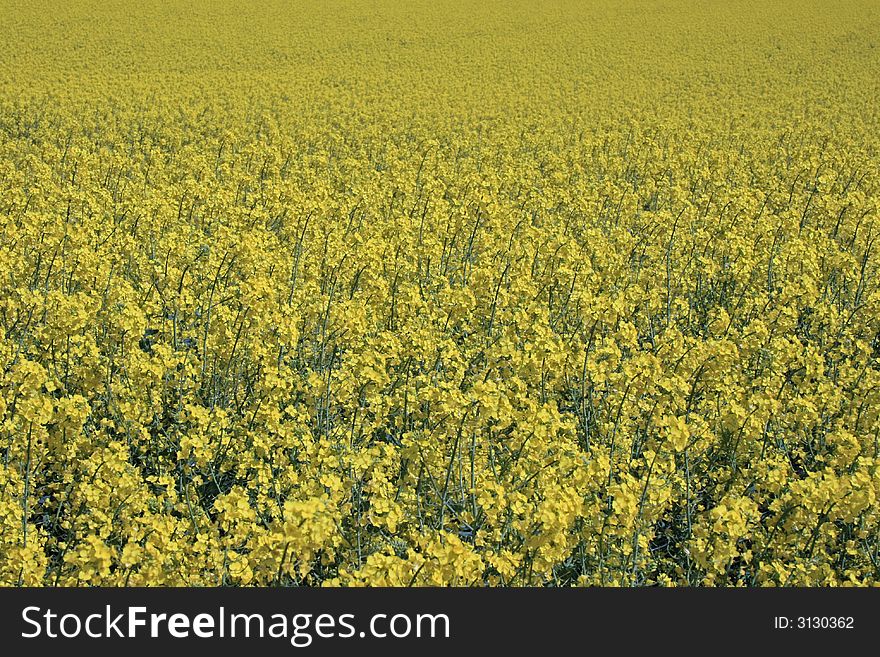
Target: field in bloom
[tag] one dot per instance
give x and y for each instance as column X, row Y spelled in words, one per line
column 439, row 292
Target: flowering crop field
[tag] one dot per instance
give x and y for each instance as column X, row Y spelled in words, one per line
column 445, row 292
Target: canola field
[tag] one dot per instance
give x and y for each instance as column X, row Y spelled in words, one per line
column 498, row 293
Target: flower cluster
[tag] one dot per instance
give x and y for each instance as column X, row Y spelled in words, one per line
column 439, row 293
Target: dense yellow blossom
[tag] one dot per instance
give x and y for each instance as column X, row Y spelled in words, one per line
column 439, row 292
